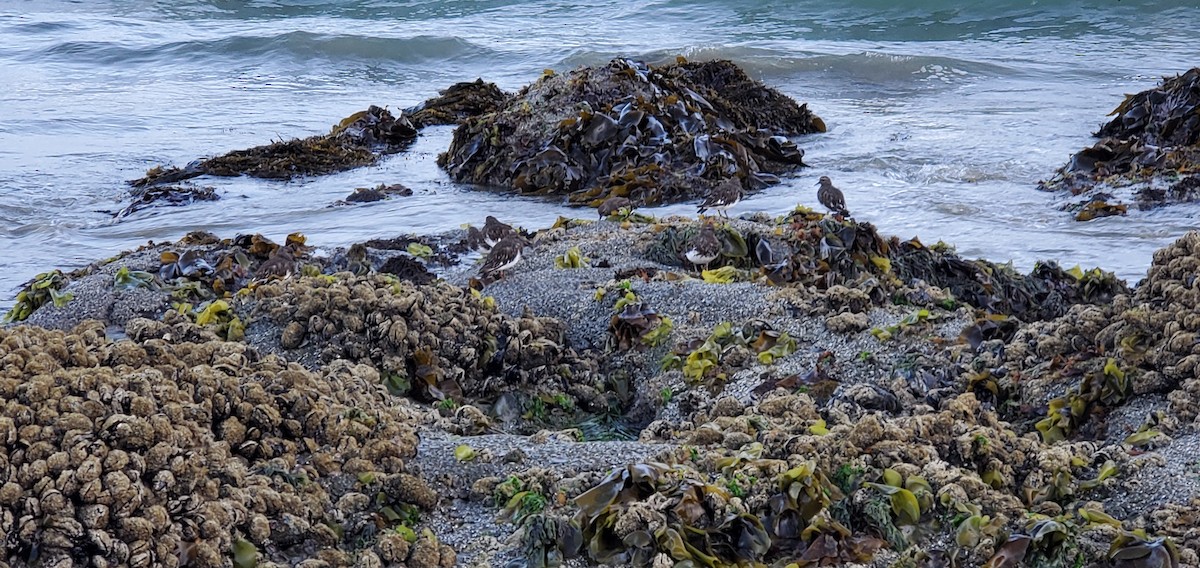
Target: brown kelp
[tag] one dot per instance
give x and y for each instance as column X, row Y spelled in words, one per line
column 358, row 140
column 457, row 103
column 626, row 129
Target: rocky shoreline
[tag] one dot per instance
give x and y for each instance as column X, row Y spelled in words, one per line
column 447, row 406
column 816, row 394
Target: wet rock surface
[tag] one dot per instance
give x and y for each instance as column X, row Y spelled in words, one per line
column 819, row 394
column 380, row 192
column 651, row 134
column 813, row 357
column 1148, row 154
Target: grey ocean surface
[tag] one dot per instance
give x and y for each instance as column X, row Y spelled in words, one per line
column 942, row 114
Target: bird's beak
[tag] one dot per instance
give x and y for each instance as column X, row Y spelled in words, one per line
column 818, row 183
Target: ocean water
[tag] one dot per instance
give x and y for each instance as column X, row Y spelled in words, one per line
column 942, row 114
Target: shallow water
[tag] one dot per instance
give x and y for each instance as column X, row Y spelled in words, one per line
column 942, row 114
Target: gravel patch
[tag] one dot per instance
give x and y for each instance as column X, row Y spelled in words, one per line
column 471, row 526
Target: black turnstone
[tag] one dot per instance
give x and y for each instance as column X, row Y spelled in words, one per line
column 831, row 197
column 281, row 264
column 703, row 248
column 476, row 241
column 723, row 196
column 494, row 231
column 504, row 255
column 613, row 205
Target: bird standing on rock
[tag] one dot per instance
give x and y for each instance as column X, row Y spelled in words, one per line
column 723, row 196
column 703, row 248
column 494, row 231
column 504, row 255
column 476, row 241
column 831, row 197
column 613, row 205
column 281, row 264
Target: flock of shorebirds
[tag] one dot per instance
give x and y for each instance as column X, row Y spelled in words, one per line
column 502, row 244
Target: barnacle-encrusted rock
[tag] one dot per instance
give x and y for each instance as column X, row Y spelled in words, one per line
column 653, row 134
column 436, row 340
column 173, row 451
column 847, row 322
column 1147, row 338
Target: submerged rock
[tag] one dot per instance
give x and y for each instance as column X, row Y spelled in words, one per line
column 380, row 192
column 650, row 134
column 169, row 195
column 1149, row 153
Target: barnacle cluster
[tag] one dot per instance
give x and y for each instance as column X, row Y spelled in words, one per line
column 891, row 477
column 1140, row 343
column 434, row 341
column 160, row 451
column 626, row 129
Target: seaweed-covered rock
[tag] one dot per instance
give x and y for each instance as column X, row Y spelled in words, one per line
column 847, row 258
column 1149, row 153
column 1048, row 291
column 457, row 103
column 358, row 140
column 654, row 135
column 160, row 451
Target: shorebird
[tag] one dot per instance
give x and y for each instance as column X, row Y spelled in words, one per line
column 703, row 248
column 722, row 197
column 476, row 241
column 831, row 197
column 494, row 231
column 281, row 264
column 504, row 255
column 613, row 205
column 356, row 259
